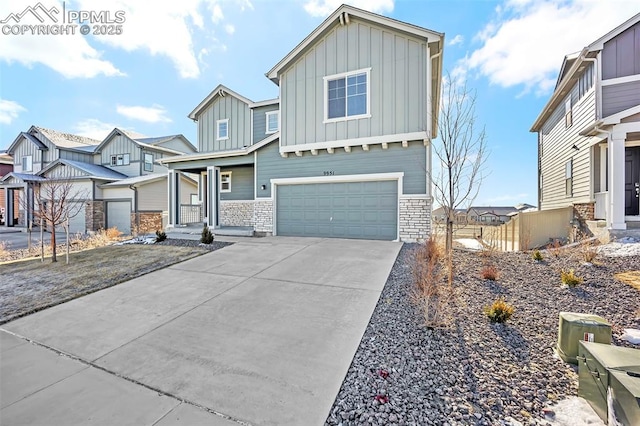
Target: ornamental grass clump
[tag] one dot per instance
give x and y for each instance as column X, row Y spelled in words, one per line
column 489, row 273
column 500, row 311
column 160, row 236
column 569, row 278
column 537, row 256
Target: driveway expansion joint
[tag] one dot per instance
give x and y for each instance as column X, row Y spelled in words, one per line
column 120, row 376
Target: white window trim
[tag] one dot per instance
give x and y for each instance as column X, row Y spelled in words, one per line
column 30, row 161
column 218, row 138
column 225, row 174
column 126, row 160
column 345, row 75
column 144, row 162
column 266, row 126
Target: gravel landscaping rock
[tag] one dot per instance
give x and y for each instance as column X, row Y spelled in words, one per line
column 477, row 372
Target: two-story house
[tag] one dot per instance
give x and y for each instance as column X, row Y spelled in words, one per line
column 344, row 151
column 589, row 132
column 116, row 182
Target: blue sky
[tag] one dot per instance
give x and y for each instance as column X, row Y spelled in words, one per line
column 171, row 54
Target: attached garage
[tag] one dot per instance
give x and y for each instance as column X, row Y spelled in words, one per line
column 359, row 209
column 77, row 223
column 119, row 215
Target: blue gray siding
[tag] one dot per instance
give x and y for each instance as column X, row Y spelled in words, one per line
column 239, row 117
column 410, row 160
column 198, row 165
column 398, row 84
column 120, row 144
column 621, row 54
column 260, row 121
column 618, row 97
column 241, row 183
column 76, row 156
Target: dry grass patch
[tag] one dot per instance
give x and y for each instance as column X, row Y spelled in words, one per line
column 29, row 286
column 631, row 278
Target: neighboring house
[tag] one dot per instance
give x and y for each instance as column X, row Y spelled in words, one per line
column 6, row 167
column 344, row 151
column 43, row 154
column 589, row 132
column 483, row 215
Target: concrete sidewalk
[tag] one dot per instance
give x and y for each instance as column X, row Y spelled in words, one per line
column 261, row 332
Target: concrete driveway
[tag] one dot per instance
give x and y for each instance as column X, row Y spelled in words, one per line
column 261, row 333
column 15, row 239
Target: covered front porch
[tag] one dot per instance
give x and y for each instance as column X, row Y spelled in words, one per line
column 19, row 202
column 616, row 172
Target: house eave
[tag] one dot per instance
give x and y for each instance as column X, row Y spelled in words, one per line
column 429, row 35
column 220, row 88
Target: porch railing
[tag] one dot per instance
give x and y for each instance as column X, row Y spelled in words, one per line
column 190, row 213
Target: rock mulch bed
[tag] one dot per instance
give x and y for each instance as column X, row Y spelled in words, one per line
column 477, row 372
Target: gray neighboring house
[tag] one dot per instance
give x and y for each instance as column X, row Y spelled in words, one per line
column 345, row 151
column 589, row 133
column 95, row 168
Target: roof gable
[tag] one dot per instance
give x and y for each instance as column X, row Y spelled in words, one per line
column 28, row 137
column 341, row 16
column 89, row 170
column 220, row 91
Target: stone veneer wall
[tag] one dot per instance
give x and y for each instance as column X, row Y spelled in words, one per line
column 415, row 219
column 236, row 213
column 263, row 216
column 150, row 222
column 94, row 215
column 584, row 212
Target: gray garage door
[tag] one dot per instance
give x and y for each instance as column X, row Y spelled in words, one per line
column 77, row 223
column 119, row 215
column 366, row 210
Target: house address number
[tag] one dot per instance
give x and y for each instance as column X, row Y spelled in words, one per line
column 328, row 173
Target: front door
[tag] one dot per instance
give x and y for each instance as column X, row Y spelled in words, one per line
column 632, row 181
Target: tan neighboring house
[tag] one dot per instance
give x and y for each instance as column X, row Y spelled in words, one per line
column 6, row 167
column 43, row 154
column 589, row 133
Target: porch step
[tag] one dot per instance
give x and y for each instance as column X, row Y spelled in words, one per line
column 616, row 234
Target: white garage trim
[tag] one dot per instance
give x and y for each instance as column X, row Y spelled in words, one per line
column 337, row 179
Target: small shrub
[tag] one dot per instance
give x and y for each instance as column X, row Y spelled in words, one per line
column 588, row 252
column 160, row 236
column 500, row 311
column 570, row 278
column 537, row 256
column 207, row 236
column 489, row 273
column 112, row 233
column 555, row 248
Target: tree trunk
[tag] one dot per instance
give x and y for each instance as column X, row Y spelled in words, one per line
column 54, row 258
column 41, row 239
column 449, row 236
column 66, row 230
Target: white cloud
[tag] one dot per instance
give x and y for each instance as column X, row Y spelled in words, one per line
column 94, row 128
column 322, row 8
column 458, row 39
column 152, row 114
column 9, row 111
column 230, row 29
column 526, row 42
column 70, row 55
column 216, row 13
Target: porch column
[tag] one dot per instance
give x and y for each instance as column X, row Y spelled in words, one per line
column 615, row 212
column 174, row 197
column 213, row 196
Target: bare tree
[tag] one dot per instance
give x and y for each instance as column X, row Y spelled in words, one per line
column 57, row 202
column 460, row 154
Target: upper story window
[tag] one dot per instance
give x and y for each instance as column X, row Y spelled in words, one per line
column 120, row 160
column 225, row 182
column 27, row 163
column 585, row 82
column 222, row 129
column 568, row 114
column 148, row 162
column 273, row 122
column 347, row 96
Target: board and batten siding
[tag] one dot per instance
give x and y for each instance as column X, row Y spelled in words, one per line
column 241, row 183
column 260, row 121
column 157, row 168
column 411, row 160
column 558, row 149
column 239, row 115
column 620, row 56
column 61, row 171
column 121, row 144
column 177, row 144
column 398, row 80
column 25, row 148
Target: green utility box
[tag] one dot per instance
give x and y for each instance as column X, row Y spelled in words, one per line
column 574, row 327
column 616, row 369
